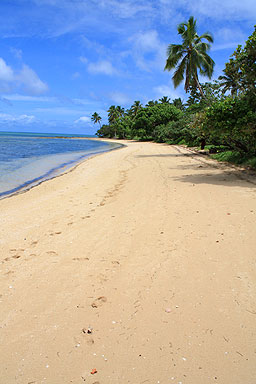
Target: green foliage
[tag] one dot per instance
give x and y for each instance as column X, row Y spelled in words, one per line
column 240, row 72
column 237, row 158
column 232, row 122
column 149, row 118
column 227, row 124
column 196, row 102
column 106, row 131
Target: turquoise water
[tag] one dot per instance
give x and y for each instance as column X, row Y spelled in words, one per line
column 27, row 158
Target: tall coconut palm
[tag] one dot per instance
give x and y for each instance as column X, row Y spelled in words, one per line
column 136, row 107
column 114, row 113
column 96, row 118
column 190, row 57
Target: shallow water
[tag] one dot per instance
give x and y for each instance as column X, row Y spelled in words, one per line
column 26, row 160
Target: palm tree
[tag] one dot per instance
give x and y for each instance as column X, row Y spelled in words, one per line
column 231, row 79
column 165, row 100
column 114, row 113
column 151, row 103
column 190, row 57
column 178, row 104
column 136, row 107
column 96, row 118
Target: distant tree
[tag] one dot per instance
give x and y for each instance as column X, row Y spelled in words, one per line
column 190, row 57
column 165, row 100
column 114, row 113
column 148, row 118
column 150, row 103
column 96, row 118
column 135, row 108
column 178, row 104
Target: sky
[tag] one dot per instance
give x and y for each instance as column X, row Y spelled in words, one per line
column 63, row 60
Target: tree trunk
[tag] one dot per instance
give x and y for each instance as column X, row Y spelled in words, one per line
column 199, row 87
column 203, row 143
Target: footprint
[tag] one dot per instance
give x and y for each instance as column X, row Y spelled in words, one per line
column 51, row 253
column 34, row 242
column 80, row 258
column 57, row 233
column 99, row 302
column 90, row 341
column 16, row 257
column 115, row 262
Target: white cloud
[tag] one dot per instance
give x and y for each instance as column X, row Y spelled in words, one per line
column 105, row 67
column 119, row 98
column 129, row 8
column 58, row 111
column 18, row 97
column 58, row 17
column 82, row 119
column 25, row 79
column 20, row 119
column 83, row 59
column 165, row 90
column 224, row 9
column 31, row 82
column 6, row 72
column 148, row 50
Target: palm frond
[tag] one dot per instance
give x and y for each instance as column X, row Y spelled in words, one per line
column 207, row 36
column 174, row 48
column 179, row 73
column 201, row 46
column 173, row 60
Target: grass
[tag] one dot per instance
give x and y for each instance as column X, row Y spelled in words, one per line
column 236, row 158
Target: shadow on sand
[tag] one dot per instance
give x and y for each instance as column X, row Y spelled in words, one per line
column 227, row 179
column 228, row 175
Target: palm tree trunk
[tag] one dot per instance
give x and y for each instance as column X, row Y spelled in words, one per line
column 199, row 87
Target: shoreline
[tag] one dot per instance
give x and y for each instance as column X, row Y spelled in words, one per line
column 138, row 264
column 55, row 172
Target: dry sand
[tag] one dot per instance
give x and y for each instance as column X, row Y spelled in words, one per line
column 152, row 248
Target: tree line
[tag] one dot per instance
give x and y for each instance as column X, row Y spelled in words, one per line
column 219, row 115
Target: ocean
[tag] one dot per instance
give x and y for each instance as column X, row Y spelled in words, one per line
column 27, row 159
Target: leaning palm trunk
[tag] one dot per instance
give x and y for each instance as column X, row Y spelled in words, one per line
column 199, row 87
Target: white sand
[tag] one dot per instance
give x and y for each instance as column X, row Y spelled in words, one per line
column 154, row 249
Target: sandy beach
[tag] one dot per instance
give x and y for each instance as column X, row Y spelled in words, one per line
column 138, row 266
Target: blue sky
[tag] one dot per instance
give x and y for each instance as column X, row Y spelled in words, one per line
column 62, row 60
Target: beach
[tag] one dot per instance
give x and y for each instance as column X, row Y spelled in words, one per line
column 137, row 266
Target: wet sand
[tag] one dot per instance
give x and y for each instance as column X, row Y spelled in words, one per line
column 139, row 264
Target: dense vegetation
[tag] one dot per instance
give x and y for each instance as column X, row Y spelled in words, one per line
column 219, row 116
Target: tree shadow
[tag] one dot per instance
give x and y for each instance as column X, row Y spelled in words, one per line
column 173, row 155
column 231, row 178
column 227, row 175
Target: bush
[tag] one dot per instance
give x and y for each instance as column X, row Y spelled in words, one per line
column 232, row 122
